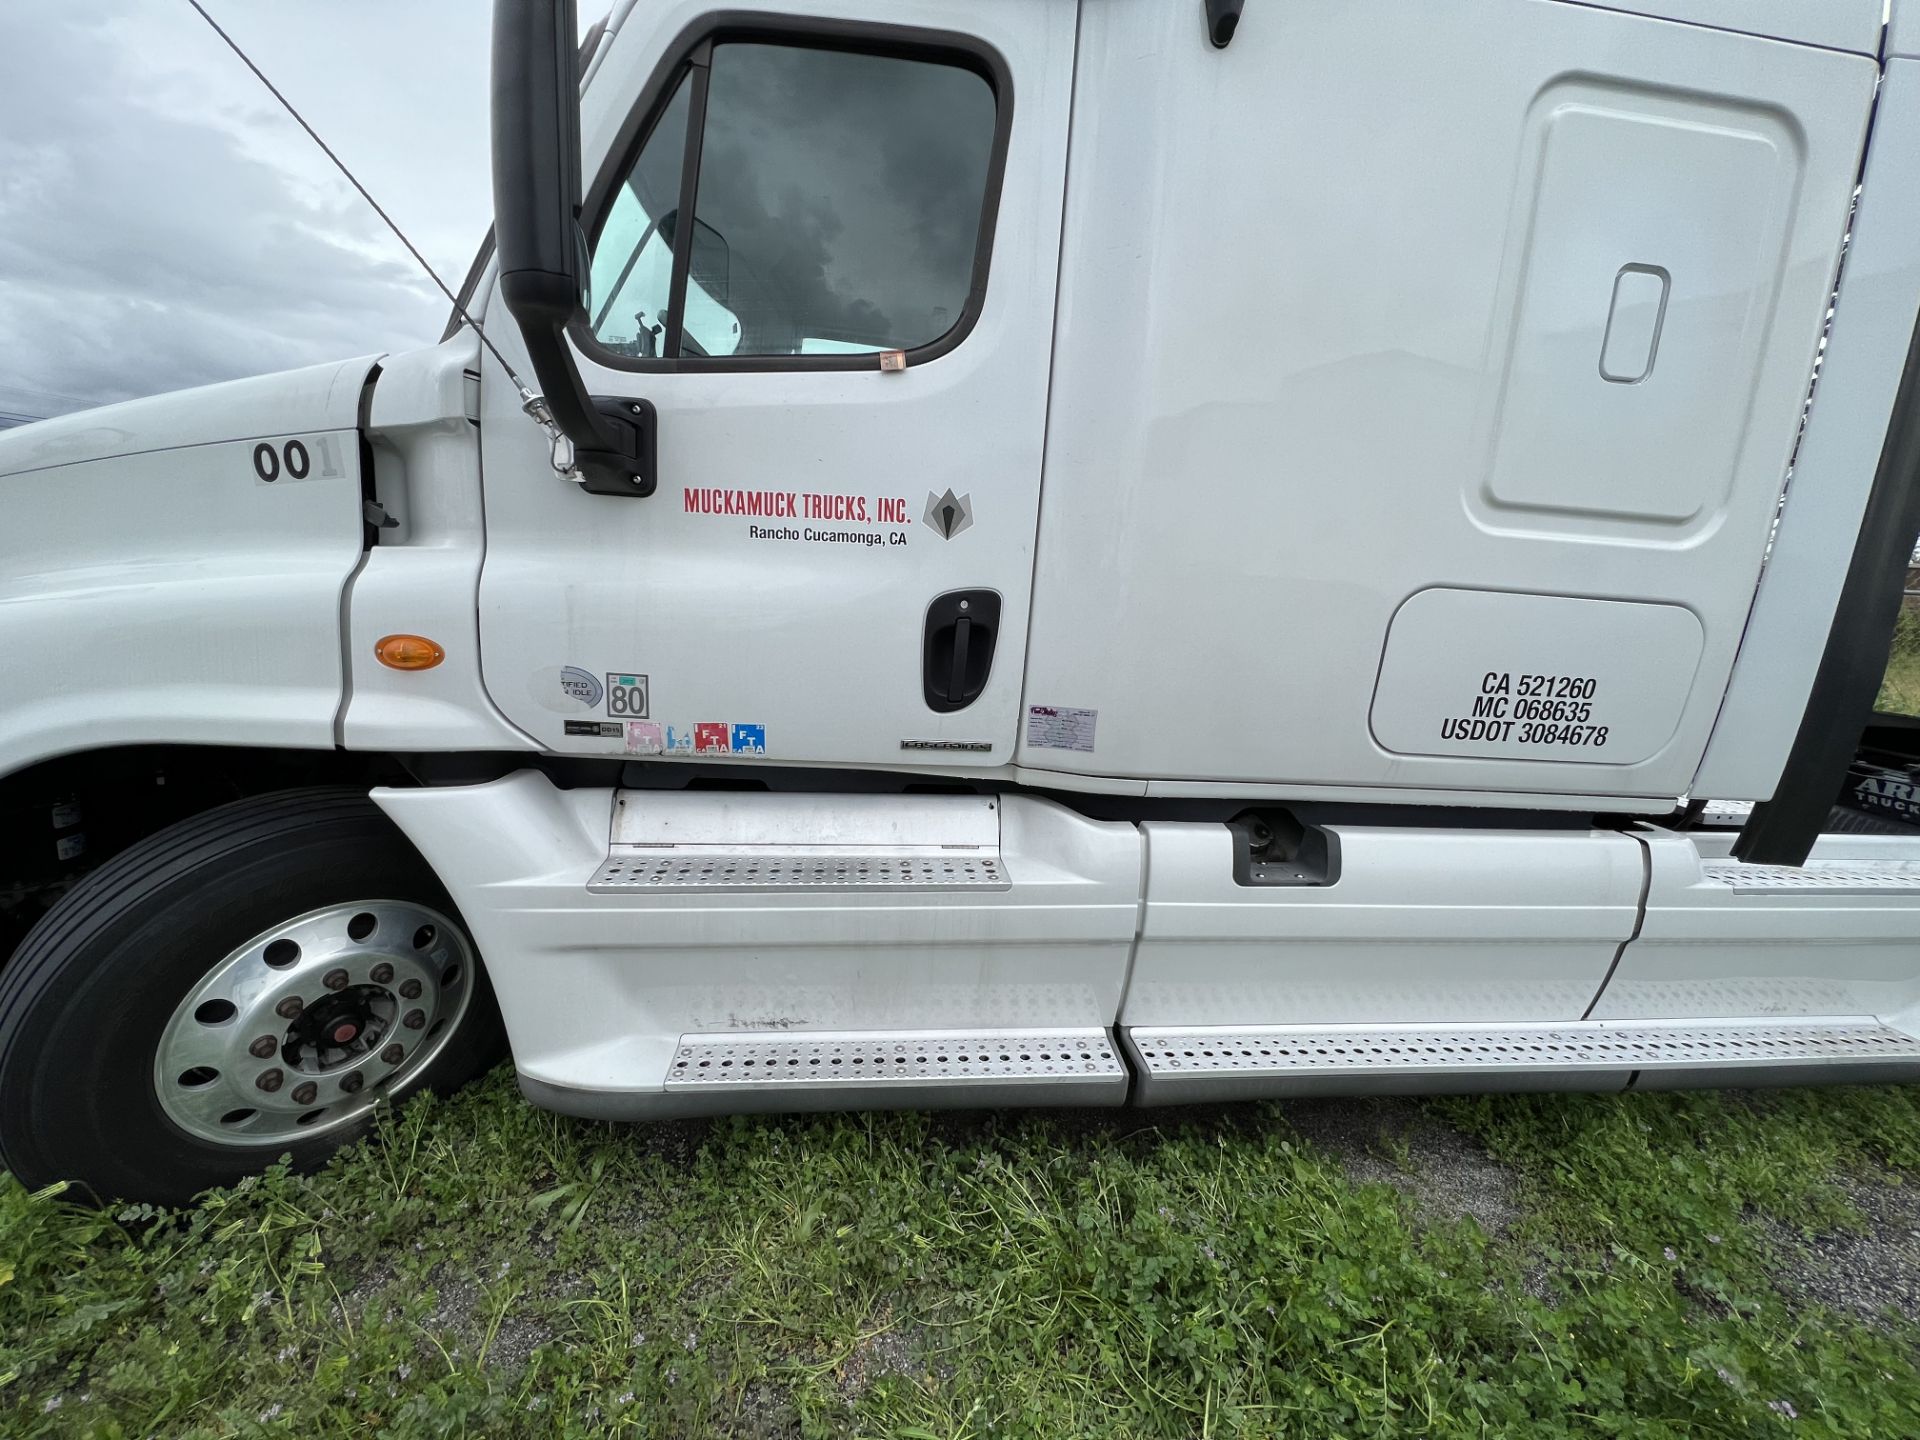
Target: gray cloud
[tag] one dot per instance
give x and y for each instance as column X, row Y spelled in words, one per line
column 163, row 224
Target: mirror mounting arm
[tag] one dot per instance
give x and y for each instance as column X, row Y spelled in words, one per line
column 542, row 253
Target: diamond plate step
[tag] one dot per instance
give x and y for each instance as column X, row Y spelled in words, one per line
column 901, row 1067
column 685, row 868
column 1177, row 1066
column 1823, row 877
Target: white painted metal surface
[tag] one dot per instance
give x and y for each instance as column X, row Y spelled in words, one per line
column 1836, row 24
column 294, row 402
column 155, row 589
column 1422, row 926
column 1837, row 937
column 1224, row 1063
column 1903, row 31
column 1635, row 670
column 423, row 575
column 1253, row 462
column 598, row 990
column 1873, row 325
column 819, row 643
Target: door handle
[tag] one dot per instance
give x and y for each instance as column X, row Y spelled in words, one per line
column 956, row 652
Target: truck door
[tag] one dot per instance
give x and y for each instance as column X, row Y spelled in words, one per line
column 1427, row 379
column 824, row 248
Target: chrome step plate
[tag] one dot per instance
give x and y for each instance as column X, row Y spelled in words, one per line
column 900, row 1067
column 1181, row 1065
column 698, row 868
column 1828, row 877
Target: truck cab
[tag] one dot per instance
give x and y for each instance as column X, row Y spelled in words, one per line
column 1027, row 551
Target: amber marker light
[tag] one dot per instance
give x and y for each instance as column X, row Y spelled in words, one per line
column 408, row 652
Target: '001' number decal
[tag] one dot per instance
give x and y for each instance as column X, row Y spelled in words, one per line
column 1530, row 710
column 290, row 459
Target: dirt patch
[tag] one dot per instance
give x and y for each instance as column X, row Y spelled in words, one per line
column 893, row 1351
column 766, row 1413
column 375, row 1282
column 463, row 1311
column 1392, row 1141
column 1869, row 1273
column 515, row 1341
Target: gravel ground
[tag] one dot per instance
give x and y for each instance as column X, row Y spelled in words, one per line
column 1874, row 1273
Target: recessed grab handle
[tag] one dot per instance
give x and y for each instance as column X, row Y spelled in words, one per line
column 1634, row 322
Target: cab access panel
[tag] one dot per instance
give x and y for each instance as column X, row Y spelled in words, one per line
column 1425, row 379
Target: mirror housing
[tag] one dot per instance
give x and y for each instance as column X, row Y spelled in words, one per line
column 541, row 248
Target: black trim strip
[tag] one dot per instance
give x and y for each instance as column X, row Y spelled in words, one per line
column 1781, row 831
column 701, row 77
column 946, row 47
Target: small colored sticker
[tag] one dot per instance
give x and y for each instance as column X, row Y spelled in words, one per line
column 749, row 739
column 644, row 737
column 627, row 696
column 581, row 685
column 710, row 737
column 1060, row 727
column 679, row 740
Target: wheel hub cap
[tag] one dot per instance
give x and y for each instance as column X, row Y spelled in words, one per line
column 304, row 1027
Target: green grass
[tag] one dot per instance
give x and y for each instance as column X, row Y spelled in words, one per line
column 1900, row 691
column 481, row 1268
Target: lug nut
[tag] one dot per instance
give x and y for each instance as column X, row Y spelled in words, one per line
column 305, row 1094
column 351, row 1081
column 335, row 980
column 410, row 990
column 271, row 1081
column 290, row 1008
column 382, row 973
column 415, row 1019
column 392, row 1055
column 263, row 1048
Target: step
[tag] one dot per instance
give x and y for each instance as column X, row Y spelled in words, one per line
column 899, row 1068
column 701, row 843
column 1828, row 877
column 694, row 867
column 1177, row 1066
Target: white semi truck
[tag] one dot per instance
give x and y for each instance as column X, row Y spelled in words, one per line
column 1066, row 552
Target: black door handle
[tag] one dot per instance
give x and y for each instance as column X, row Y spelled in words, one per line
column 957, row 649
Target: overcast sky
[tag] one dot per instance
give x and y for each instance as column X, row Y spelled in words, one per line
column 164, row 224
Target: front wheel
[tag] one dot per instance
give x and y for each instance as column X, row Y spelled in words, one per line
column 243, row 985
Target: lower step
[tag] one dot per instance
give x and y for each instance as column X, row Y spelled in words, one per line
column 905, row 1069
column 1180, row 1066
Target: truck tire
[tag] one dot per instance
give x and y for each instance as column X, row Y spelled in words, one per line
column 243, row 985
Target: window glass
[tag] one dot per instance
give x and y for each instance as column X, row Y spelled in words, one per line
column 837, row 212
column 627, row 293
column 844, row 192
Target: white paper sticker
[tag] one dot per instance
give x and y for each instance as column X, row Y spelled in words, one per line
column 1060, row 727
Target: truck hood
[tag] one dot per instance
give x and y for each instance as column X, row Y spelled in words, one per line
column 319, row 397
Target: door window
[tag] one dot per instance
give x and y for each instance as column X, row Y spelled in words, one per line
column 840, row 207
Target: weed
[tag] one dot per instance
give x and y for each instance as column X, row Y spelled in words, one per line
column 478, row 1267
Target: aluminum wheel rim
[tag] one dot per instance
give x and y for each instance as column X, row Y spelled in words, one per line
column 302, row 1029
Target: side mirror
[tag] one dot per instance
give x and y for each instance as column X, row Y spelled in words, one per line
column 541, row 247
